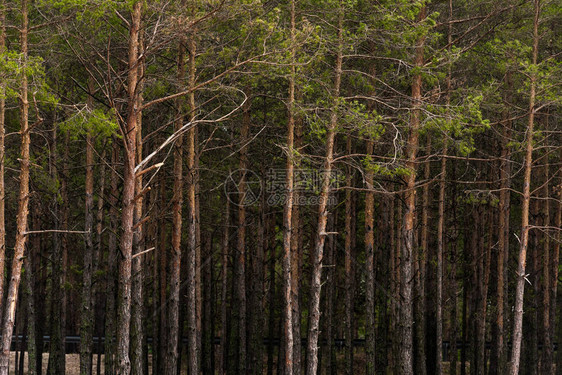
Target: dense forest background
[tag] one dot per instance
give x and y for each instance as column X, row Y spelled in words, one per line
column 295, row 187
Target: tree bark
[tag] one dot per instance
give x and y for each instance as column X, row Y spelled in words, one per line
column 288, row 209
column 370, row 342
column 407, row 246
column 556, row 326
column 57, row 358
column 177, row 202
column 348, row 264
column 547, row 363
column 2, row 162
column 128, row 206
column 112, row 258
column 498, row 363
column 317, row 256
column 87, row 308
column 23, row 205
column 440, row 252
column 241, row 241
column 518, row 310
column 193, row 274
column 137, row 307
column 224, row 291
column 420, row 314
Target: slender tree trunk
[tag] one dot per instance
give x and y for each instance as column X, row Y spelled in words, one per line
column 271, row 299
column 57, row 351
column 177, row 202
column 316, row 258
column 420, row 298
column 98, row 255
column 454, row 259
column 112, row 257
column 193, row 314
column 137, row 308
column 518, row 310
column 483, row 298
column 328, row 358
column 87, row 309
column 128, row 206
column 163, row 278
column 557, row 326
column 23, row 206
column 224, row 291
column 370, row 342
column 2, row 159
column 288, row 209
column 547, row 362
column 348, row 316
column 440, row 252
column 407, row 248
column 498, row 363
column 31, row 316
column 241, row 242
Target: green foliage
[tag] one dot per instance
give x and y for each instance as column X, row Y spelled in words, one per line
column 13, row 65
column 101, row 124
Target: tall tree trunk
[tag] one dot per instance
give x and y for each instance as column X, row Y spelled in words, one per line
column 454, row 259
column 296, row 261
column 31, row 313
column 498, row 363
column 288, row 209
column 177, row 202
column 193, row 273
column 57, row 351
column 547, row 363
column 407, row 246
column 518, row 310
column 440, row 252
column 137, row 308
column 370, row 348
column 112, row 258
column 420, row 299
column 87, row 308
column 271, row 297
column 349, row 235
column 557, row 326
column 224, row 291
column 23, row 205
column 128, row 206
column 163, row 278
column 98, row 255
column 328, row 359
column 317, row 255
column 2, row 158
column 241, row 241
